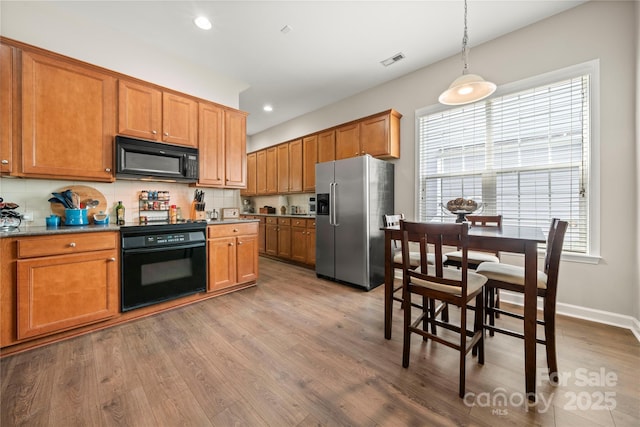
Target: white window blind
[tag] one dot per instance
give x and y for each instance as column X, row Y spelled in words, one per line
column 523, row 155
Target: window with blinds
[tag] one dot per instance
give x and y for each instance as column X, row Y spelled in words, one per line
column 523, row 155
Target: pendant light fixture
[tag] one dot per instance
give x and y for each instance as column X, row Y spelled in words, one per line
column 468, row 87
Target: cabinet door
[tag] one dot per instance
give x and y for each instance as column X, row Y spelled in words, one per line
column 326, row 146
column 6, row 109
column 283, row 168
column 247, row 258
column 284, row 241
column 295, row 166
column 222, row 263
column 235, row 137
column 262, row 236
column 380, row 136
column 310, row 158
column 261, row 172
column 311, row 244
column 139, row 110
column 348, row 141
column 251, row 176
column 62, row 292
column 68, row 115
column 211, row 145
column 299, row 244
column 179, row 120
column 271, row 239
column 272, row 170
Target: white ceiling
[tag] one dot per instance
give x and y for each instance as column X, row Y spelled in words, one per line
column 333, row 50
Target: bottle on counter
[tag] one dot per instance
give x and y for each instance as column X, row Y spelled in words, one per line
column 173, row 214
column 120, row 213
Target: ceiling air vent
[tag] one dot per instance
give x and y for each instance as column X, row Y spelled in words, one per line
column 395, row 58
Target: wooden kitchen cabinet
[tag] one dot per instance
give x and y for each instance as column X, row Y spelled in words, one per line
column 6, row 109
column 261, row 172
column 235, row 138
column 272, row 170
column 309, row 160
column 261, row 230
column 147, row 112
column 252, row 173
column 283, row 168
column 68, row 119
column 211, row 145
column 284, row 237
column 233, row 255
column 65, row 281
column 295, row 166
column 271, row 236
column 326, row 146
column 348, row 141
column 303, row 240
column 377, row 135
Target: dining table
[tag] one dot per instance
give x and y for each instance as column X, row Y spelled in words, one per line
column 508, row 238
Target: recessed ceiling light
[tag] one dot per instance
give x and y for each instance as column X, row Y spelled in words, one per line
column 202, row 22
column 267, row 108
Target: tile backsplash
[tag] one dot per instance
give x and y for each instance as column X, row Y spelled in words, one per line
column 32, row 195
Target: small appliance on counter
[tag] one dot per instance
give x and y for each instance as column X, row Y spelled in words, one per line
column 267, row 210
column 246, row 206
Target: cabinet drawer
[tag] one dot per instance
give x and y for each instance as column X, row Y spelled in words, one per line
column 311, row 223
column 271, row 220
column 284, row 221
column 65, row 244
column 298, row 222
column 230, row 230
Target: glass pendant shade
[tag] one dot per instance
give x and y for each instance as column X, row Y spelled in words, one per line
column 465, row 89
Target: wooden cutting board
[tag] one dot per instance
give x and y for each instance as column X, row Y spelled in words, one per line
column 85, row 193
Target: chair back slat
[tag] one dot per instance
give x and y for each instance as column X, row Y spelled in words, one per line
column 555, row 240
column 437, row 236
column 485, row 220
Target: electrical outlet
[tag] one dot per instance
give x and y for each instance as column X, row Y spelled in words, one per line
column 27, row 216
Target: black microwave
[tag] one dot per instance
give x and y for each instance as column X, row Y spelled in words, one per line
column 155, row 161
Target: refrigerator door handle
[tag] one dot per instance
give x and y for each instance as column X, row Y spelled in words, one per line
column 335, row 205
column 331, row 207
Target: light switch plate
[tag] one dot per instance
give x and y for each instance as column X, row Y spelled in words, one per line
column 230, row 213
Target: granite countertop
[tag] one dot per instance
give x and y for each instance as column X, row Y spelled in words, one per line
column 37, row 230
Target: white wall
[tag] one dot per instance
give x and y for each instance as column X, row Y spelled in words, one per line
column 595, row 30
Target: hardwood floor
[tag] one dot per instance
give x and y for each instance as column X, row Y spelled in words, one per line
column 299, row 351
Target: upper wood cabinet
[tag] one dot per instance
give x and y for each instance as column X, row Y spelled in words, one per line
column 252, row 171
column 150, row 113
column 377, row 135
column 309, row 160
column 326, row 146
column 68, row 115
column 235, row 145
column 272, row 170
column 283, row 168
column 348, row 141
column 222, row 148
column 261, row 172
column 211, row 148
column 6, row 109
column 295, row 166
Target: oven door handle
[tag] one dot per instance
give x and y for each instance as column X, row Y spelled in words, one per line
column 162, row 248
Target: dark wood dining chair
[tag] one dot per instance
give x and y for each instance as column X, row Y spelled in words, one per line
column 511, row 278
column 440, row 286
column 477, row 257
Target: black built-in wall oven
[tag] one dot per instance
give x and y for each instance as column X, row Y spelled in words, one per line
column 162, row 262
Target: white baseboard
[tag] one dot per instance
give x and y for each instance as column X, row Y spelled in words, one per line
column 585, row 313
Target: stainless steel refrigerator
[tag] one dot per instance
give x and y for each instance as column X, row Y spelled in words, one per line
column 352, row 195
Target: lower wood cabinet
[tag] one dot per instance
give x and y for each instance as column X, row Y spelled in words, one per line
column 65, row 281
column 291, row 238
column 303, row 241
column 233, row 255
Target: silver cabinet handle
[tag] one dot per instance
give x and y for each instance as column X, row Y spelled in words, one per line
column 235, row 230
column 154, row 132
column 111, row 259
column 72, row 244
column 230, row 244
column 166, row 134
column 239, row 243
column 5, row 162
column 107, row 169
